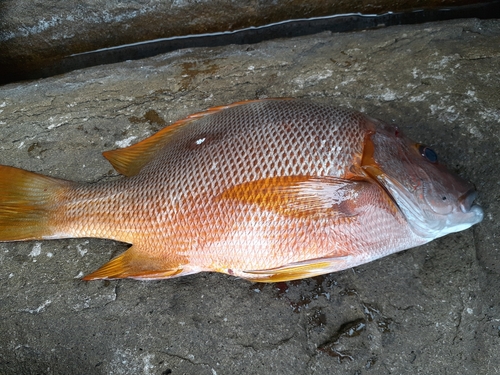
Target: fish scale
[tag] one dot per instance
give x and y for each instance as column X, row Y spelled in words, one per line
column 267, row 190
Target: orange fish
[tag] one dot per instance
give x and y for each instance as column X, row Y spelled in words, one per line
column 267, row 190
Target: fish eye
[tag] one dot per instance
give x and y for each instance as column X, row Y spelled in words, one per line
column 428, row 153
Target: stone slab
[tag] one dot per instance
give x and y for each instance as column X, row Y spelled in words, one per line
column 35, row 36
column 430, row 310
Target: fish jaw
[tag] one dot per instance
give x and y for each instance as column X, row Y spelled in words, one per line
column 425, row 222
column 434, row 201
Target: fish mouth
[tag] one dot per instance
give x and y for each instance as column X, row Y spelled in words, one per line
column 466, row 200
column 468, row 207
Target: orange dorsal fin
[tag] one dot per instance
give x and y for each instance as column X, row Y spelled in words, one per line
column 134, row 264
column 130, row 160
column 299, row 270
column 300, row 195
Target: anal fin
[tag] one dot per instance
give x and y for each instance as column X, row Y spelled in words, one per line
column 135, row 265
column 299, row 270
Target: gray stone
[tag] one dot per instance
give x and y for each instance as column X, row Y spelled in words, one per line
column 36, row 35
column 430, row 310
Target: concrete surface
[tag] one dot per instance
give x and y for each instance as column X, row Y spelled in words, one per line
column 37, row 34
column 428, row 310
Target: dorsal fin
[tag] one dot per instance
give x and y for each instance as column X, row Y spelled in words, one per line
column 130, row 160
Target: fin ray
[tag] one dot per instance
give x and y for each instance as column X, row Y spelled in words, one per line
column 300, row 195
column 133, row 264
column 299, row 270
column 26, row 202
column 130, row 160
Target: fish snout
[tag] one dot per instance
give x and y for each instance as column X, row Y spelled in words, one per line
column 466, row 200
column 474, row 211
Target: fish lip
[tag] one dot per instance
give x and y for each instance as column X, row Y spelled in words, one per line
column 478, row 213
column 467, row 199
column 467, row 205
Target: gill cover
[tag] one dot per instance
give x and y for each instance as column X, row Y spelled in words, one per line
column 433, row 200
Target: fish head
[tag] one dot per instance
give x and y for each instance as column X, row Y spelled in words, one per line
column 433, row 200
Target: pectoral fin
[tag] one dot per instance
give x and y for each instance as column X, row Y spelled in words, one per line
column 299, row 270
column 301, row 195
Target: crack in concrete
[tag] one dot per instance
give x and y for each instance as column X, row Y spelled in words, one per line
column 457, row 326
column 270, row 345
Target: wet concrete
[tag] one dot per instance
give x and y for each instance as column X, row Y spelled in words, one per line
column 430, row 310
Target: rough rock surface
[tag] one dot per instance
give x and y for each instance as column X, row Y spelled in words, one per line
column 428, row 310
column 34, row 34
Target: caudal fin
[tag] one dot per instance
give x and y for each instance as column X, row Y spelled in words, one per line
column 26, row 201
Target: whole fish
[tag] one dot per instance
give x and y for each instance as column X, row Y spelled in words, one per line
column 267, row 190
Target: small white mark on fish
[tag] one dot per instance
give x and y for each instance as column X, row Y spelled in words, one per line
column 50, row 255
column 11, row 275
column 200, row 141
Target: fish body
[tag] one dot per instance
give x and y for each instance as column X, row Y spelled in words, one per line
column 267, row 190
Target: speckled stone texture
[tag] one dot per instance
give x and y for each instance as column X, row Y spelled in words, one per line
column 428, row 310
column 37, row 33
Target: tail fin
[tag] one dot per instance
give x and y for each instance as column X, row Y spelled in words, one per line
column 26, row 201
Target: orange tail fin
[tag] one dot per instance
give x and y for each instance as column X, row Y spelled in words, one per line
column 26, row 201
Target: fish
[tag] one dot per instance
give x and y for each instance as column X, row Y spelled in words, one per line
column 266, row 190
